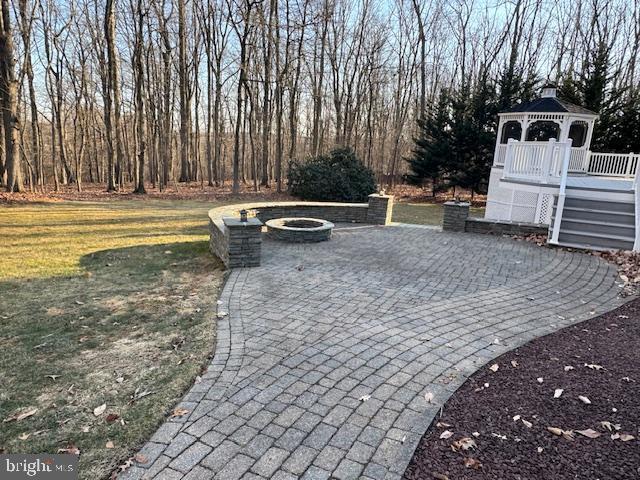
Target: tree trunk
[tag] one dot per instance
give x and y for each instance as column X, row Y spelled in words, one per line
column 9, row 102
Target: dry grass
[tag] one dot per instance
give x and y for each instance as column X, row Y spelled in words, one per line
column 95, row 299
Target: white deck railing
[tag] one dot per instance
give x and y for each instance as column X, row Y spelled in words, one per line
column 499, row 155
column 562, row 193
column 613, row 164
column 539, row 162
column 578, row 161
column 526, row 160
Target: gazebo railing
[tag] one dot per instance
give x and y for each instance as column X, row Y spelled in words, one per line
column 539, row 162
column 623, row 165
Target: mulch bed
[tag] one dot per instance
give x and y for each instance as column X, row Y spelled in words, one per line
column 506, row 424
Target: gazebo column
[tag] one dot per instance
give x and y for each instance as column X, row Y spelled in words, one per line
column 565, row 125
column 524, row 126
column 587, row 142
column 498, row 138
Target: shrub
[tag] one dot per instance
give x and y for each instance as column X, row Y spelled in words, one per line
column 338, row 177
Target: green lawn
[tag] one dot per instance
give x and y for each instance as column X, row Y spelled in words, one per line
column 424, row 213
column 99, row 301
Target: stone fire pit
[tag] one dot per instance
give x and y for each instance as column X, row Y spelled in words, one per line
column 299, row 230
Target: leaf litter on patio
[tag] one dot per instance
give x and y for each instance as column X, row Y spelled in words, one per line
column 562, row 406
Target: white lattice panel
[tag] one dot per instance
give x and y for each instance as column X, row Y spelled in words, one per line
column 525, row 199
column 498, row 211
column 545, row 209
column 523, row 214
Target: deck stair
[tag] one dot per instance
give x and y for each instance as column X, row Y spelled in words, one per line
column 596, row 224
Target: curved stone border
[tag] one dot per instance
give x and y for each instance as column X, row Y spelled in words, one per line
column 239, row 244
column 286, row 229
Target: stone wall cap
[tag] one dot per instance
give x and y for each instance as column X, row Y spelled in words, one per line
column 457, row 204
column 236, row 222
column 379, row 195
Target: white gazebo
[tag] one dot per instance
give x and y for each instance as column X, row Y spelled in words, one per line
column 546, row 118
column 543, row 157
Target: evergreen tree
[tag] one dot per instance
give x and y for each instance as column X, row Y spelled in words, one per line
column 473, row 133
column 432, row 148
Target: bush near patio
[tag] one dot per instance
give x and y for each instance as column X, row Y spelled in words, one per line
column 337, row 177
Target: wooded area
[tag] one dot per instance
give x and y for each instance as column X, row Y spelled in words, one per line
column 139, row 93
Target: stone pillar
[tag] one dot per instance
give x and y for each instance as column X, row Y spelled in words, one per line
column 380, row 209
column 244, row 242
column 455, row 216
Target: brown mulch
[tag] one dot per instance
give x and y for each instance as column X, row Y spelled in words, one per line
column 181, row 191
column 411, row 193
column 503, row 417
column 198, row 191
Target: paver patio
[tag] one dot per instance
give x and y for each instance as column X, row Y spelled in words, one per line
column 323, row 361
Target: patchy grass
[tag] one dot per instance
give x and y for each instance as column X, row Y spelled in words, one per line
column 424, row 213
column 100, row 301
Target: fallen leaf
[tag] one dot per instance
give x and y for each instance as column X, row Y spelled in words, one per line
column 109, row 444
column 442, row 425
column 514, row 364
column 589, row 433
column 540, row 449
column 428, row 397
column 446, row 434
column 21, row 415
column 557, row 393
column 53, row 377
column 99, row 410
column 497, row 435
column 567, row 434
column 439, row 476
column 540, row 379
column 584, row 400
column 472, row 463
column 464, row 444
column 24, row 436
column 476, row 434
column 86, row 429
column 112, row 417
column 494, row 368
column 78, row 302
column 516, row 418
column 71, row 448
column 625, row 437
column 568, row 367
column 527, row 424
column 593, row 366
column 179, row 412
column 140, row 458
column 364, row 398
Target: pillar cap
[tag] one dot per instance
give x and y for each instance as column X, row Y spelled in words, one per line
column 236, row 222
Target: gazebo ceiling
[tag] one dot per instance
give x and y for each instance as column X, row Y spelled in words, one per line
column 549, row 105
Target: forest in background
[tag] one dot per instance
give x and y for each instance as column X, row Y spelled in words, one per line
column 149, row 93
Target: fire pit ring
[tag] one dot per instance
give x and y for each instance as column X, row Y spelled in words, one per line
column 299, row 229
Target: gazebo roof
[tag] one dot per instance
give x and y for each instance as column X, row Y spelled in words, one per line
column 549, row 105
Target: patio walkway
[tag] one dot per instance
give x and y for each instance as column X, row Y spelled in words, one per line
column 322, row 364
